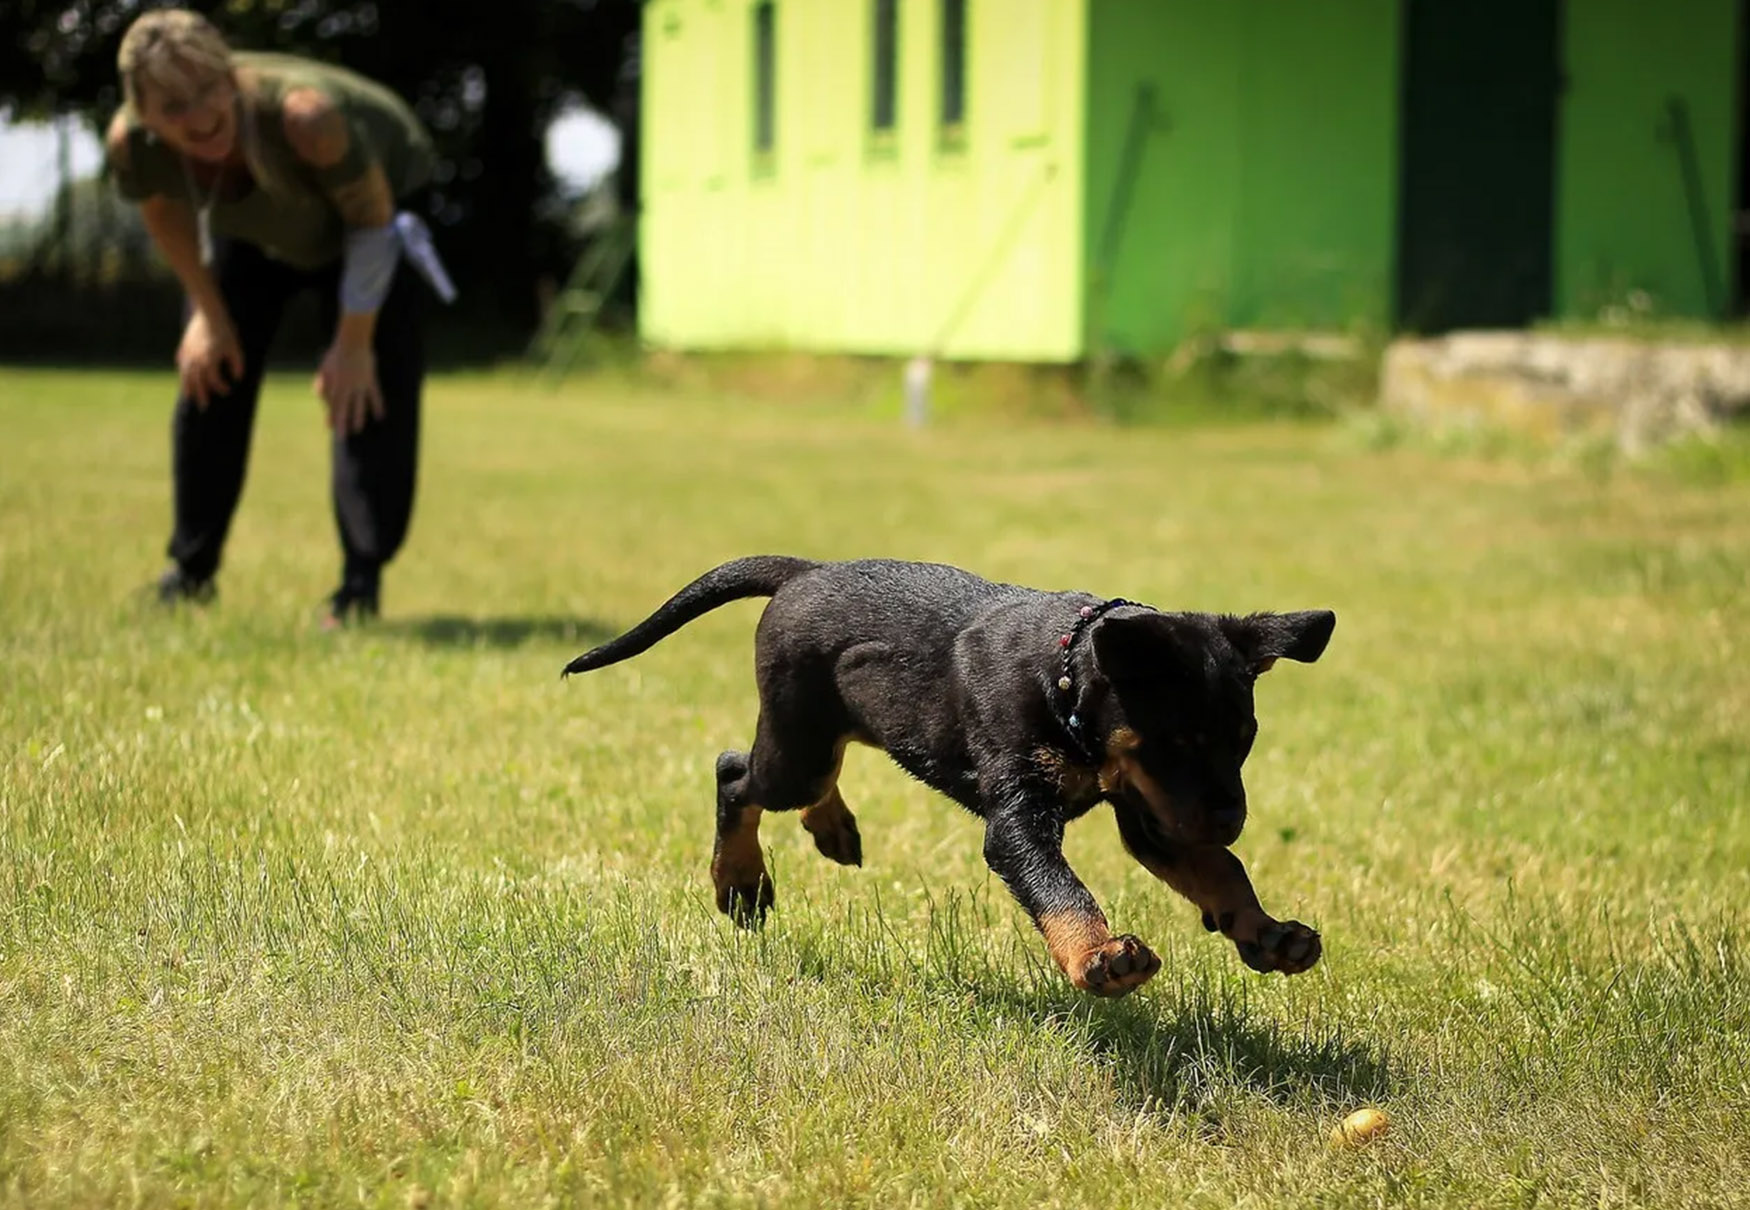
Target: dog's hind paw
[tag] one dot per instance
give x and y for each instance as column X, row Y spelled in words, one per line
column 1281, row 945
column 1118, row 967
column 835, row 833
column 747, row 905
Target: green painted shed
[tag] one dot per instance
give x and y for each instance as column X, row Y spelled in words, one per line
column 1041, row 180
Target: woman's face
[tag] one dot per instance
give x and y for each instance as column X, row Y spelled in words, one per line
column 200, row 120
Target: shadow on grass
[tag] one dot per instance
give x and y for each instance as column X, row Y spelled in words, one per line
column 1187, row 1043
column 456, row 630
column 1183, row 1051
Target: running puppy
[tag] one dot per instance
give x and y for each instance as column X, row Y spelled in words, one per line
column 1026, row 707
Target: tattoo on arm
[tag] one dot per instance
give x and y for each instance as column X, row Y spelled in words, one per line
column 343, row 163
column 365, row 202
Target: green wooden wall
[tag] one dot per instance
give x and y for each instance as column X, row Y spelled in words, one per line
column 1263, row 190
column 1625, row 219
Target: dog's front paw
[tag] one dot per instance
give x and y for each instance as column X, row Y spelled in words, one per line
column 1281, row 945
column 1116, row 968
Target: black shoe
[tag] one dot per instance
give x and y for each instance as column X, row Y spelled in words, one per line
column 354, row 601
column 177, row 587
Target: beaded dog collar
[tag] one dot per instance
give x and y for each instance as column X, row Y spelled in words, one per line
column 1064, row 703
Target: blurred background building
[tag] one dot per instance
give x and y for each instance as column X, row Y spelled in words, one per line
column 1054, row 179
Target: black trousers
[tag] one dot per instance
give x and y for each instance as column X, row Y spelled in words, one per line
column 373, row 469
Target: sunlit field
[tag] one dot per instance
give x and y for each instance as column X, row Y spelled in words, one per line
column 394, row 917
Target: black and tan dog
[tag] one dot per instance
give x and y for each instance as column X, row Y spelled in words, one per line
column 1026, row 707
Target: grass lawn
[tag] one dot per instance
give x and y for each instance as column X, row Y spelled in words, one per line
column 395, row 918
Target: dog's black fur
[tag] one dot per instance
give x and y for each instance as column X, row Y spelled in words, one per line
column 958, row 680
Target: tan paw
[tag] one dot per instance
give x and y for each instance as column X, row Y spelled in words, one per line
column 1266, row 944
column 1281, row 945
column 1116, row 968
column 746, row 904
column 835, row 833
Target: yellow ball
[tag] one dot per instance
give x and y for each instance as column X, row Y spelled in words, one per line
column 1361, row 1128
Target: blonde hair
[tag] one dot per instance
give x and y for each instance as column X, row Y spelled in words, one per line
column 176, row 52
column 171, row 50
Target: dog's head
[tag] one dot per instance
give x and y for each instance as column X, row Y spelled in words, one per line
column 1184, row 723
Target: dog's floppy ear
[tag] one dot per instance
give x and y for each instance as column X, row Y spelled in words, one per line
column 1264, row 638
column 1144, row 647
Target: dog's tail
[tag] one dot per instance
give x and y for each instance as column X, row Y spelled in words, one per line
column 755, row 576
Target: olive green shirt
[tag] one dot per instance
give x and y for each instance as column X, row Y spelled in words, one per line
column 292, row 219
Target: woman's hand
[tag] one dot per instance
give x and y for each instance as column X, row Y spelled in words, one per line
column 347, row 383
column 209, row 360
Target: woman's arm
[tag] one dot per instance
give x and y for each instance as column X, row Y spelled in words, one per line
column 209, row 344
column 171, row 224
column 349, row 172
